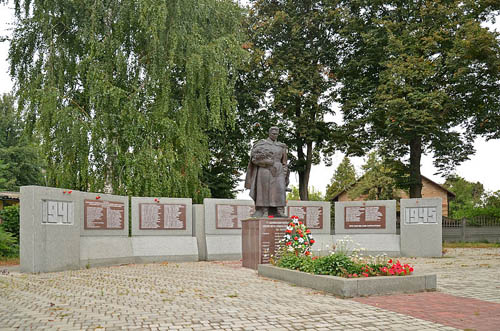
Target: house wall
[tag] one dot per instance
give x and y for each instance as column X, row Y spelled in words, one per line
column 429, row 190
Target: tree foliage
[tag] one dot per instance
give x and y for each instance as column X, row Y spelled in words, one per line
column 342, row 180
column 313, row 194
column 123, row 93
column 10, row 220
column 288, row 41
column 20, row 163
column 471, row 199
column 377, row 181
column 412, row 72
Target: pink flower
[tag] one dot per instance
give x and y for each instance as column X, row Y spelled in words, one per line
column 365, row 274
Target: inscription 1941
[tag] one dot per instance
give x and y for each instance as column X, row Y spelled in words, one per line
column 155, row 216
column 103, row 215
column 364, row 217
column 57, row 212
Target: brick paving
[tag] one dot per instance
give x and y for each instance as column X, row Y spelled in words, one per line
column 224, row 296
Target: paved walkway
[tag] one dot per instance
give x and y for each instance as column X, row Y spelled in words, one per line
column 222, row 295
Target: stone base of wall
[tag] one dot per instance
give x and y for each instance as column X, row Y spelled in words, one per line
column 352, row 287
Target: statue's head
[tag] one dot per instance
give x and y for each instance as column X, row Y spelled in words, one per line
column 273, row 133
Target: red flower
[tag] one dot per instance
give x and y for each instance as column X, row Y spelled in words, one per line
column 97, row 198
column 288, row 231
column 312, row 241
column 288, row 243
column 355, row 275
column 390, row 261
column 411, row 269
column 308, row 253
column 295, row 238
column 300, row 223
column 270, row 216
column 301, row 235
column 308, row 231
column 365, row 274
column 69, row 192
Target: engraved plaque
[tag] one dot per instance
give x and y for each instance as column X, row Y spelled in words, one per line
column 364, row 217
column 420, row 215
column 156, row 216
column 57, row 212
column 272, row 231
column 230, row 216
column 103, row 215
column 312, row 215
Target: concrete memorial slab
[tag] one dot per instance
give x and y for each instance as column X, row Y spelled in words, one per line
column 104, row 229
column 363, row 217
column 162, row 229
column 361, row 220
column 49, row 229
column 421, row 227
column 223, row 227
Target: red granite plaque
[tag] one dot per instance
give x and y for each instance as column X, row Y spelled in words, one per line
column 364, row 217
column 103, row 215
column 156, row 216
column 230, row 216
column 312, row 215
column 260, row 239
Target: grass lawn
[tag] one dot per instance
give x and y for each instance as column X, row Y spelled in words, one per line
column 470, row 245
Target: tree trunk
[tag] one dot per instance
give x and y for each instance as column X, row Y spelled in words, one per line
column 415, row 177
column 305, row 172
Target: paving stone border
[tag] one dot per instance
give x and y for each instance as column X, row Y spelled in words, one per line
column 352, row 287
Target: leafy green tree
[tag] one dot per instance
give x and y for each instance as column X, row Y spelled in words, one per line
column 124, row 93
column 342, row 180
column 414, row 71
column 377, row 181
column 312, row 194
column 10, row 220
column 471, row 199
column 290, row 38
column 492, row 200
column 8, row 247
column 19, row 160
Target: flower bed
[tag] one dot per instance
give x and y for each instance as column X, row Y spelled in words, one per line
column 351, row 287
column 345, row 272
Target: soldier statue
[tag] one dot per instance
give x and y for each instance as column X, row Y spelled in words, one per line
column 268, row 176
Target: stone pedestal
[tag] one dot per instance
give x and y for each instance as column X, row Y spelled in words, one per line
column 260, row 239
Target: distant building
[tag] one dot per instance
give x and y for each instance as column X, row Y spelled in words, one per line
column 9, row 199
column 430, row 189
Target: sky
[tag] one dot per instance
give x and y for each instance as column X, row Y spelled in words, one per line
column 483, row 166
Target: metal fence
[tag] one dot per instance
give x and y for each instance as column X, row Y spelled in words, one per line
column 479, row 228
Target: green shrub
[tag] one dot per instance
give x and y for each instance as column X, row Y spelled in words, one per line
column 8, row 245
column 10, row 220
column 334, row 264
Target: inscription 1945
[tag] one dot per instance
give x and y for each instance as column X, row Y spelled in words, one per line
column 420, row 215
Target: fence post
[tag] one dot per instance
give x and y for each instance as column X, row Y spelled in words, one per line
column 464, row 222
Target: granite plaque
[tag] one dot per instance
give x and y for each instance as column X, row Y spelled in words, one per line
column 156, row 216
column 103, row 215
column 420, row 215
column 230, row 216
column 364, row 217
column 312, row 215
column 272, row 232
column 57, row 212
